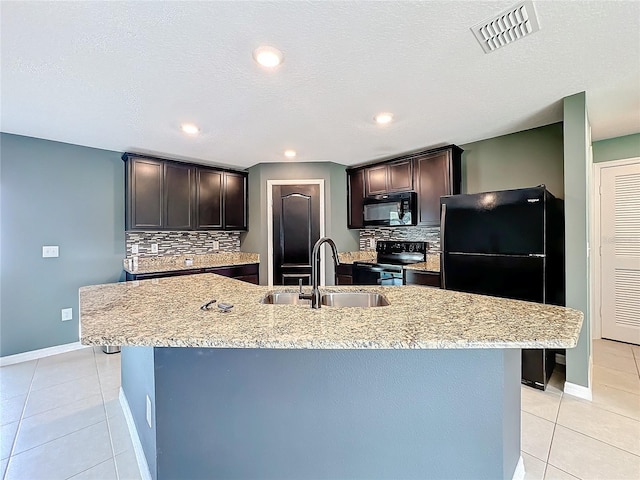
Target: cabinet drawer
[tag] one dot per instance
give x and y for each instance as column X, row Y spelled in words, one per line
column 237, row 271
column 428, row 279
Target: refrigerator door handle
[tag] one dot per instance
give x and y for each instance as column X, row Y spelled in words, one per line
column 443, row 215
column 537, row 255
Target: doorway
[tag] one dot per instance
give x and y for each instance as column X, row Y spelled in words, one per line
column 295, row 222
column 618, row 235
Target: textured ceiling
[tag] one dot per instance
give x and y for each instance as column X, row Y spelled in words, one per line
column 124, row 75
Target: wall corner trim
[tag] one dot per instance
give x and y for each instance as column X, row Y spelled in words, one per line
column 143, row 467
column 41, row 353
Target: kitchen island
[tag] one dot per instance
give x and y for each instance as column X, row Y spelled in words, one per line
column 427, row 387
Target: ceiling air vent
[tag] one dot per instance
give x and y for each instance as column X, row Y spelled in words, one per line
column 511, row 25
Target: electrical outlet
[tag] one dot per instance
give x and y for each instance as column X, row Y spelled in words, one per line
column 149, row 411
column 134, row 249
column 67, row 314
column 50, row 251
column 154, row 248
column 215, row 245
column 372, row 243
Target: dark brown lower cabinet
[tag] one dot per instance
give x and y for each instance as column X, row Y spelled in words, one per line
column 344, row 274
column 246, row 273
column 417, row 277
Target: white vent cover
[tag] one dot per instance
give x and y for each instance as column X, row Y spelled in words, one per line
column 506, row 27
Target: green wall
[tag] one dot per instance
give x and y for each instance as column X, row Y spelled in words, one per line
column 523, row 159
column 577, row 144
column 55, row 194
column 335, row 184
column 617, row 148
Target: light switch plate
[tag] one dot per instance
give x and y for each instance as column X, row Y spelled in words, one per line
column 372, row 243
column 154, row 248
column 215, row 245
column 50, row 251
column 67, row 314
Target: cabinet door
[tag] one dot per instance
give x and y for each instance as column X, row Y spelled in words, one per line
column 376, row 180
column 355, row 197
column 144, row 194
column 344, row 274
column 399, row 176
column 432, row 180
column 414, row 277
column 179, row 196
column 209, row 199
column 235, row 201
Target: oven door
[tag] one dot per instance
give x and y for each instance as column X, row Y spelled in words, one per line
column 364, row 274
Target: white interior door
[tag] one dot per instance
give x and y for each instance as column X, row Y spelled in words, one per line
column 620, row 252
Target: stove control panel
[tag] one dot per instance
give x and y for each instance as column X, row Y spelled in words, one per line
column 392, row 247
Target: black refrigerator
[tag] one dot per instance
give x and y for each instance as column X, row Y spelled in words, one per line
column 507, row 244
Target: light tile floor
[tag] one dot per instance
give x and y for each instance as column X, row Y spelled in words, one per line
column 564, row 437
column 61, row 419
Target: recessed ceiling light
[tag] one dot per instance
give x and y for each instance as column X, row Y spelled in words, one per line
column 383, row 118
column 290, row 153
column 189, row 129
column 268, row 56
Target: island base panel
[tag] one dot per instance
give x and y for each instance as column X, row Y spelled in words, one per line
column 376, row 414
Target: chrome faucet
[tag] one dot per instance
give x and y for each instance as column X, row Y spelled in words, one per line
column 314, row 296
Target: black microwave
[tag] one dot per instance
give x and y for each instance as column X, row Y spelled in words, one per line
column 391, row 210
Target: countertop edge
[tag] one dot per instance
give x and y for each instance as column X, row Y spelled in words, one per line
column 188, row 268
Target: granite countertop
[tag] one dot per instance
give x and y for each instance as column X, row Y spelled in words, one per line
column 431, row 265
column 172, row 263
column 166, row 313
column 359, row 256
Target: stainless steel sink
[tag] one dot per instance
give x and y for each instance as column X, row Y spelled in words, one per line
column 354, row 299
column 334, row 299
column 284, row 298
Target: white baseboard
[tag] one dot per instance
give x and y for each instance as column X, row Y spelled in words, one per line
column 135, row 439
column 578, row 391
column 43, row 352
column 519, row 472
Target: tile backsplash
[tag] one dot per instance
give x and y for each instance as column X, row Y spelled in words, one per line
column 181, row 243
column 401, row 234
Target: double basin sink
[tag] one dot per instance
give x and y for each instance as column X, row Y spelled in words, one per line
column 330, row 299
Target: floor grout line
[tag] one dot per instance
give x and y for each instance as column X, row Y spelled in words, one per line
column 24, row 407
column 104, row 371
column 106, row 414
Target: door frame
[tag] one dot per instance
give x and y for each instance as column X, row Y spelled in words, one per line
column 596, row 263
column 270, row 185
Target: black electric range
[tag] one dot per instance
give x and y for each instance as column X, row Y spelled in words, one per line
column 391, row 257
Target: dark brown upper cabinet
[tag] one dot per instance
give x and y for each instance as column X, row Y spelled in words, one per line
column 209, row 199
column 376, row 180
column 235, row 201
column 355, row 197
column 145, row 194
column 389, row 177
column 167, row 195
column 179, row 198
column 436, row 174
column 430, row 174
